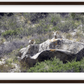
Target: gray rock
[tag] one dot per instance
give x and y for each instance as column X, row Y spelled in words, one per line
column 63, row 49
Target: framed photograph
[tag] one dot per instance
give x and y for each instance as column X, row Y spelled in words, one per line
column 41, row 42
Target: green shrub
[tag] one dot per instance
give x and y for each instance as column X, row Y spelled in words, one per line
column 67, row 25
column 55, row 18
column 76, row 16
column 73, row 15
column 11, row 32
column 56, row 65
column 46, row 66
column 55, row 28
column 9, row 61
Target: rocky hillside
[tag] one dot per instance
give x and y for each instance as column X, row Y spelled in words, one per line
column 29, row 38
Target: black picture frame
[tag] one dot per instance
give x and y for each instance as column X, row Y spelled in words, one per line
column 41, row 3
column 41, row 81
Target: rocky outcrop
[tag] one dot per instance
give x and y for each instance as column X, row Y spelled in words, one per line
column 63, row 49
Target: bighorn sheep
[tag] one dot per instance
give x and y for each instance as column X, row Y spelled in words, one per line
column 27, row 49
column 31, row 41
column 57, row 34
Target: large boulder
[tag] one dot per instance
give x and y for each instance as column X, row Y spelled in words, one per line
column 63, row 49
